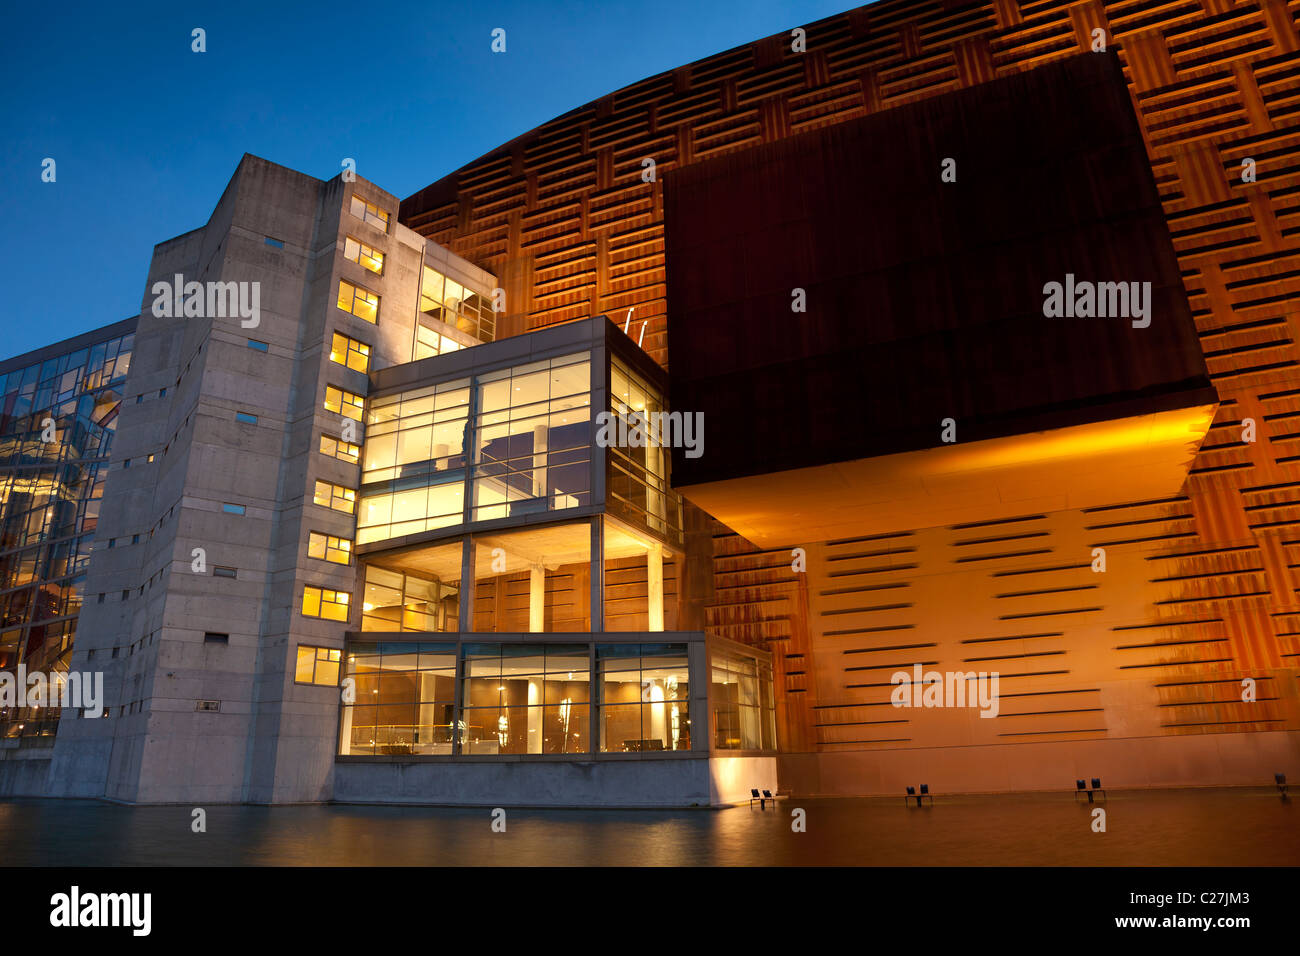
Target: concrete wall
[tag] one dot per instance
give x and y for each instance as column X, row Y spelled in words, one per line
column 639, row 782
column 270, row 739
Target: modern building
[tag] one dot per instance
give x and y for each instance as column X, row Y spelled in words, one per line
column 990, row 333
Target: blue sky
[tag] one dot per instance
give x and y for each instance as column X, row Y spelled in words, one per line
column 146, row 133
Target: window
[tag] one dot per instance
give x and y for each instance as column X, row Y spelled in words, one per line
column 335, row 496
column 407, row 600
column 126, row 463
column 232, row 509
column 212, row 637
column 526, row 699
column 532, row 445
column 276, row 243
column 644, row 697
column 340, row 449
column 445, row 302
column 743, row 712
column 354, row 250
column 637, row 480
column 112, row 542
column 355, row 355
column 414, row 462
column 358, row 301
column 369, row 212
column 246, row 418
column 258, row 346
column 224, row 572
column 329, row 548
column 325, row 603
column 318, row 665
column 405, row 698
column 348, row 404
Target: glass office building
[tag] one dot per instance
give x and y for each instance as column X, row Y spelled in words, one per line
column 57, row 419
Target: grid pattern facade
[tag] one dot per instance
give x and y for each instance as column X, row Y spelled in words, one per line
column 1201, row 590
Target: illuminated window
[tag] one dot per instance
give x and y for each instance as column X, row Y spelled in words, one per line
column 232, row 509
column 347, row 404
column 327, row 547
column 245, row 418
column 340, row 449
column 369, row 212
column 644, row 697
column 444, row 301
column 358, row 301
column 325, row 603
column 742, row 697
column 335, row 496
column 318, row 665
column 345, row 351
column 354, row 250
column 532, row 439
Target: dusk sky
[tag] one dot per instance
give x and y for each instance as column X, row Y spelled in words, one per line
column 146, row 133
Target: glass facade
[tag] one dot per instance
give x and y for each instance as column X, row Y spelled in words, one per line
column 426, row 599
column 525, row 699
column 444, row 303
column 516, row 698
column 413, row 468
column 744, row 716
column 644, row 697
column 637, row 474
column 516, row 440
column 57, row 419
column 404, row 694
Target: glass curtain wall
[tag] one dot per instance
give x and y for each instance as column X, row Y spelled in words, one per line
column 743, row 713
column 57, row 420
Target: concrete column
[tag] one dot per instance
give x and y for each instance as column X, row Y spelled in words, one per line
column 597, row 575
column 534, row 716
column 536, row 599
column 345, row 732
column 654, row 560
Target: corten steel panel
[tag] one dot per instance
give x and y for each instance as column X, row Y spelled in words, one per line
column 1206, row 579
column 924, row 298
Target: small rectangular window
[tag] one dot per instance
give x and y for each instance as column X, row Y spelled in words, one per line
column 135, row 539
column 224, row 572
column 277, row 243
column 360, row 302
column 212, row 637
column 162, row 393
column 354, row 250
column 259, row 346
column 246, row 418
column 325, row 603
column 369, row 212
column 232, row 509
column 348, row 404
column 318, row 665
column 127, row 463
column 348, row 351
column 327, row 547
column 335, row 496
column 340, row 449
column 112, row 542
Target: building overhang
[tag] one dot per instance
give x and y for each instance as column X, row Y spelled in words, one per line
column 1135, row 458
